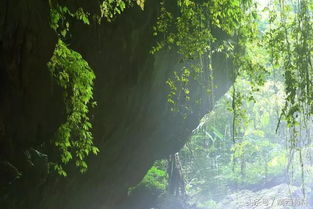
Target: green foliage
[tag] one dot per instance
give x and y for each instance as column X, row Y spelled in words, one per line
column 274, row 82
column 155, row 178
column 59, row 18
column 194, row 32
column 108, row 10
column 191, row 31
column 179, row 91
column 74, row 137
column 288, row 39
column 212, row 160
column 265, row 57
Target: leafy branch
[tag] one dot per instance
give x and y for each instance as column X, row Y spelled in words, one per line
column 74, row 136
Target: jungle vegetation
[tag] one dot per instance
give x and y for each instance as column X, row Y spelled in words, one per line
column 267, row 124
column 265, row 134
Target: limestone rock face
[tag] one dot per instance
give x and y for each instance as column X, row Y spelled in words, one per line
column 133, row 123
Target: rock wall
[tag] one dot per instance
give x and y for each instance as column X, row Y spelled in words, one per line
column 133, row 124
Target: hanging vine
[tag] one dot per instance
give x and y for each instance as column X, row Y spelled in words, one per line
column 290, row 42
column 193, row 32
column 73, row 139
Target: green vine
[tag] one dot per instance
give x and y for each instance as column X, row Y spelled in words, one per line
column 289, row 41
column 194, row 33
column 74, row 136
column 74, row 139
